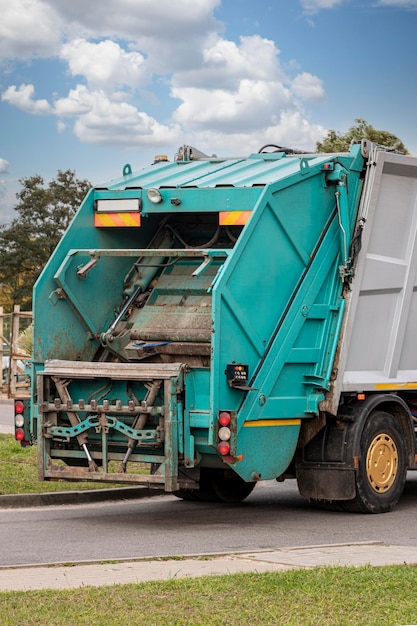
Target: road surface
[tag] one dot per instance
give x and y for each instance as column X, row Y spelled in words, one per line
column 274, row 516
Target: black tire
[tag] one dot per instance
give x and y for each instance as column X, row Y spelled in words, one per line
column 226, row 486
column 218, row 485
column 191, row 495
column 381, row 475
column 327, row 505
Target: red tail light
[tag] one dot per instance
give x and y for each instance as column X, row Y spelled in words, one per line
column 19, row 423
column 19, row 434
column 225, row 418
column 224, row 448
column 226, row 435
column 19, row 406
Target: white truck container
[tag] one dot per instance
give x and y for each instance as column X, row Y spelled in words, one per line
column 375, row 369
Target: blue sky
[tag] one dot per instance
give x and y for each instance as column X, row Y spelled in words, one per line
column 91, row 86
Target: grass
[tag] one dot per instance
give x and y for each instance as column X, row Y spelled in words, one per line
column 325, row 596
column 19, row 473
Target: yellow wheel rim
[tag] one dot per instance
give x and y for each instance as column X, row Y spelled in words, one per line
column 382, row 463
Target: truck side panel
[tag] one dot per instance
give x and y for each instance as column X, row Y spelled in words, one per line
column 277, row 308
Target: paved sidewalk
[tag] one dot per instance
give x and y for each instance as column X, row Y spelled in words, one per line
column 24, row 578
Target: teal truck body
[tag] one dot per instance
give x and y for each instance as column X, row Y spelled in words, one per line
column 208, row 323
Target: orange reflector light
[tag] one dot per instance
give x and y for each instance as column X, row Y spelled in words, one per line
column 361, row 396
column 103, row 220
column 223, row 448
column 233, row 218
column 19, row 406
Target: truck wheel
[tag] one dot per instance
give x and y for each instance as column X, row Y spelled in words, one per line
column 381, row 475
column 191, row 495
column 224, row 485
column 218, row 485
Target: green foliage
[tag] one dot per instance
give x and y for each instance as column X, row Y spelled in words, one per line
column 339, row 142
column 25, row 340
column 19, row 472
column 44, row 212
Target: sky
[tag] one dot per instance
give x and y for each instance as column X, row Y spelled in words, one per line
column 91, row 86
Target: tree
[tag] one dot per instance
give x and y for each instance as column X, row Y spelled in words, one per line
column 338, row 142
column 44, row 212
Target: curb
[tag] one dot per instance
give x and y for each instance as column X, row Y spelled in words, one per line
column 123, row 571
column 76, row 497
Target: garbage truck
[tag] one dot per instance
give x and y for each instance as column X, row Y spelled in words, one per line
column 208, row 323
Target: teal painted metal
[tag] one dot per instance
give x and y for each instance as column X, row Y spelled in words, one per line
column 286, row 327
column 181, row 289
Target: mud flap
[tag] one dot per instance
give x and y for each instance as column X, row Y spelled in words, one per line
column 326, row 483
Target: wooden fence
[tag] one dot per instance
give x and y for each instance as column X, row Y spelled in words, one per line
column 13, row 382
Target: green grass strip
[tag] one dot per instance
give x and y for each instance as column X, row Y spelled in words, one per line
column 324, row 596
column 19, row 472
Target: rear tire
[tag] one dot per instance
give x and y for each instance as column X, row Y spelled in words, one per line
column 381, row 474
column 327, row 505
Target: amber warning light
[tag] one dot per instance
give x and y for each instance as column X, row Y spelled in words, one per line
column 328, row 167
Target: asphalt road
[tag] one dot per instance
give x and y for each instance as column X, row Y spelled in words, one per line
column 274, row 516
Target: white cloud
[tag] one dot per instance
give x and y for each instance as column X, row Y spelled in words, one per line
column 23, row 98
column 227, row 91
column 78, row 102
column 172, row 33
column 104, row 65
column 290, row 129
column 295, row 131
column 28, row 28
column 4, row 166
column 308, row 87
column 224, row 63
column 167, row 30
column 313, row 6
column 240, row 90
column 248, row 107
column 130, row 17
column 110, row 120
